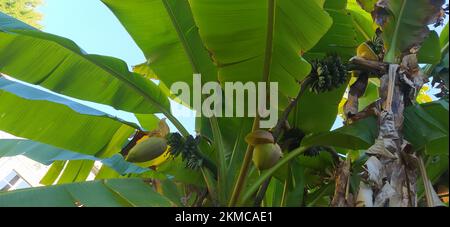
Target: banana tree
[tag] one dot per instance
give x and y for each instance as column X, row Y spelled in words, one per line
column 307, row 47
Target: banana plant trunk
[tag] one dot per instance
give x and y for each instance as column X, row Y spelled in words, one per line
column 392, row 169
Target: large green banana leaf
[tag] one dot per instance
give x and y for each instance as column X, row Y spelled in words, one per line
column 360, row 135
column 237, row 52
column 53, row 173
column 436, row 166
column 166, row 33
column 370, row 96
column 241, row 53
column 75, row 171
column 404, row 25
column 426, row 126
column 440, row 70
column 31, row 92
column 341, row 38
column 60, row 65
column 46, row 155
column 362, row 21
column 174, row 170
column 430, row 51
column 316, row 113
column 105, row 193
column 48, row 118
column 255, row 40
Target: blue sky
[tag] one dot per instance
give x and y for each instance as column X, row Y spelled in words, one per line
column 96, row 30
column 92, row 26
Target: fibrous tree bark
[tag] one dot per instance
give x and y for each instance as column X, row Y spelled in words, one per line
column 393, row 167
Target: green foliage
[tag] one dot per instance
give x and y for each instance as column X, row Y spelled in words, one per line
column 439, row 71
column 241, row 50
column 47, row 155
column 58, row 121
column 424, row 125
column 404, row 27
column 226, row 41
column 430, row 51
column 167, row 35
column 105, row 193
column 110, row 82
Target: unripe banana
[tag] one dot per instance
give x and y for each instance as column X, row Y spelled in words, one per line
column 265, row 156
column 259, row 137
column 147, row 150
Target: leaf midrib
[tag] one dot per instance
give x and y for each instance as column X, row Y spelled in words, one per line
column 391, row 56
column 108, row 70
column 269, row 40
column 181, row 36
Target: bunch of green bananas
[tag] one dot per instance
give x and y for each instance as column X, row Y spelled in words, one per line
column 187, row 148
column 328, row 74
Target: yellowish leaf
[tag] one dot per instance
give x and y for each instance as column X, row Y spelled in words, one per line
column 423, row 97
